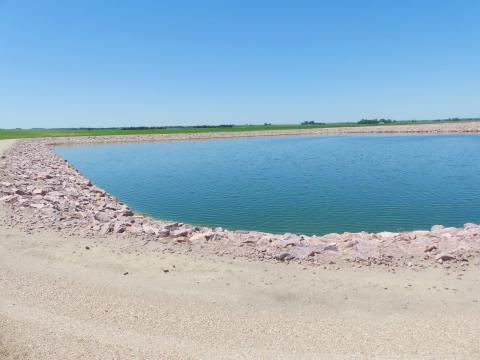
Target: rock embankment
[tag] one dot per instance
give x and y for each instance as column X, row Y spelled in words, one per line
column 41, row 191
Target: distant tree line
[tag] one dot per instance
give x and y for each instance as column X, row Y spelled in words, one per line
column 311, row 123
column 176, row 127
column 376, row 121
column 143, row 128
column 201, row 126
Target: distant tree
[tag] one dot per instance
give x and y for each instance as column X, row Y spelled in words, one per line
column 368, row 121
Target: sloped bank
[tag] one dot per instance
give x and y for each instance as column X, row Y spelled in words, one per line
column 43, row 191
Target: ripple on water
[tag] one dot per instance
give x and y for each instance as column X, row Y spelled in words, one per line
column 295, row 184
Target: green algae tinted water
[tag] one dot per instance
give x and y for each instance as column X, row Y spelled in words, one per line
column 309, row 184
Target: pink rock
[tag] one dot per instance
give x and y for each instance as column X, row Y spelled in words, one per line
column 106, row 228
column 7, row 198
column 135, row 229
column 102, row 217
column 331, row 247
column 52, row 199
column 38, row 192
column 171, row 226
column 387, row 235
column 99, row 192
column 55, row 193
column 179, row 233
column 199, row 237
column 332, row 238
column 119, row 228
column 291, row 241
column 163, row 233
column 351, row 243
column 150, row 230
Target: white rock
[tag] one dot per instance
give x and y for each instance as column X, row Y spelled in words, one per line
column 437, row 228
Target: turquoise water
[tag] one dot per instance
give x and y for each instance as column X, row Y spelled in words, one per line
column 309, row 185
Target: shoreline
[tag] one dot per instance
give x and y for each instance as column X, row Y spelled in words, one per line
column 53, row 194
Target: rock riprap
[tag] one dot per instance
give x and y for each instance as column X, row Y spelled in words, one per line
column 42, row 191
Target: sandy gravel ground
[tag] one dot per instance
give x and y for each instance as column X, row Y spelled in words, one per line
column 77, row 298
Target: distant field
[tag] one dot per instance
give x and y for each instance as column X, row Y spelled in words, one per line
column 37, row 133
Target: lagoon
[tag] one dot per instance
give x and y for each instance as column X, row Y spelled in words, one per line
column 299, row 184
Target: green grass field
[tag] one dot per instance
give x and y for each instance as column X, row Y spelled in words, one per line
column 33, row 133
column 37, row 133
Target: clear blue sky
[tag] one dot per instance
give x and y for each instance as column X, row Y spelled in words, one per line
column 118, row 63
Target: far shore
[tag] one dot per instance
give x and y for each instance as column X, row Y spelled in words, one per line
column 209, row 129
column 472, row 127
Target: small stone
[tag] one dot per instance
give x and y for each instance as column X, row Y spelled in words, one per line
column 283, row 257
column 37, row 206
column 444, row 257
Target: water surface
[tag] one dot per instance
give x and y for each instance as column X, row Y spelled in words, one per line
column 308, row 184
